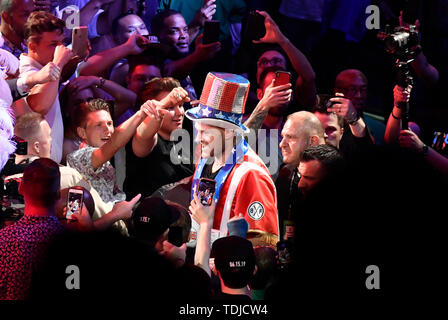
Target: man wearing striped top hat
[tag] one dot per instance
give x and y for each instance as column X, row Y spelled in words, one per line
column 243, row 183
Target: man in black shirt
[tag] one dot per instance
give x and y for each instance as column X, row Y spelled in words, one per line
column 148, row 156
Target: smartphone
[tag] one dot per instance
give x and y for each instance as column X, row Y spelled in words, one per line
column 211, row 32
column 75, row 201
column 80, row 37
column 326, row 100
column 284, row 253
column 255, row 28
column 175, row 236
column 206, row 191
column 281, row 78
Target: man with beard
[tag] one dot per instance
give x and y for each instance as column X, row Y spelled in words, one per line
column 243, row 183
column 172, row 30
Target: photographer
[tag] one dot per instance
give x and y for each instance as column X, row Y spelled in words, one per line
column 424, row 70
column 408, row 139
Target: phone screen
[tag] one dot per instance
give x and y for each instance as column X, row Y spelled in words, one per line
column 206, row 191
column 74, row 202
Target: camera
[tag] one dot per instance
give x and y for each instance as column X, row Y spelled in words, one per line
column 403, row 41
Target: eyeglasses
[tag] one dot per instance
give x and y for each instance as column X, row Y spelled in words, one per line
column 273, row 62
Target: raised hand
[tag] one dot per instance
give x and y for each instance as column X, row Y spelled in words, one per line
column 401, row 95
column 136, row 44
column 200, row 213
column 62, row 55
column 204, row 14
column 176, row 97
column 275, row 96
column 273, row 33
column 343, row 107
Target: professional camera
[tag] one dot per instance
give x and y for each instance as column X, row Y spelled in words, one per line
column 403, row 42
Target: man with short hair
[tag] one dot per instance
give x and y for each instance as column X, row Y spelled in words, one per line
column 44, row 35
column 33, row 128
column 14, row 14
column 301, row 130
column 318, row 163
column 333, row 124
column 243, row 183
column 352, row 138
column 23, row 244
column 172, row 30
column 352, row 84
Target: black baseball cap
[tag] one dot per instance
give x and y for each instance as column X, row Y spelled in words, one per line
column 151, row 217
column 235, row 260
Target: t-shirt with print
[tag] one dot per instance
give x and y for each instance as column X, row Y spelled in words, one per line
column 102, row 179
column 22, row 249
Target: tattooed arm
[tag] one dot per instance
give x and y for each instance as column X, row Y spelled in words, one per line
column 273, row 96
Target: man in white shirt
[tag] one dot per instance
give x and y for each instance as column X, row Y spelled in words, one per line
column 44, row 35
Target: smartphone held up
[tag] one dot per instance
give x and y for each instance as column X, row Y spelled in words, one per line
column 206, row 191
column 75, row 201
column 80, row 41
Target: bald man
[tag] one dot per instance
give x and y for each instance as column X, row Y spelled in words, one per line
column 301, row 130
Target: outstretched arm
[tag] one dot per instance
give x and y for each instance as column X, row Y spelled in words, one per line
column 102, row 61
column 145, row 138
column 305, row 88
column 119, row 138
column 124, row 98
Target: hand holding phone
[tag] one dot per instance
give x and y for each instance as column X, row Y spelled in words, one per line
column 75, row 201
column 206, row 191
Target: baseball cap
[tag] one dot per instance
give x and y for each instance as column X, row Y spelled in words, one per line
column 235, row 260
column 152, row 217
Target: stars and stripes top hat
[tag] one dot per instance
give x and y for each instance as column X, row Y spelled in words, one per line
column 222, row 101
